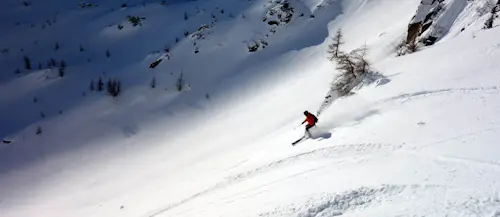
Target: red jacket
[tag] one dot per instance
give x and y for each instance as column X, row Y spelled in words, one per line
column 310, row 120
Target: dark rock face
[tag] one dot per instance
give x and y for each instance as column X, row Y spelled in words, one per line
column 424, row 17
column 413, row 32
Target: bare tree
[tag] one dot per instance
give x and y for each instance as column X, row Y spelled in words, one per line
column 362, row 66
column 346, row 64
column 334, row 47
column 353, row 68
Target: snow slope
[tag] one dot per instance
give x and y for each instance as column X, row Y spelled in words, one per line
column 423, row 144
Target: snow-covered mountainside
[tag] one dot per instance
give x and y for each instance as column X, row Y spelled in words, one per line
column 189, row 108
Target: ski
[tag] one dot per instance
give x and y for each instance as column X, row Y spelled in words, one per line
column 299, row 140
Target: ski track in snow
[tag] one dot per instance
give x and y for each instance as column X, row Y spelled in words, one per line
column 376, row 23
column 353, row 199
column 467, row 161
column 421, row 94
column 336, row 152
column 476, row 204
column 411, row 96
column 327, row 152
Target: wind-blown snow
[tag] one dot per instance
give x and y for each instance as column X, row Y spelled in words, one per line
column 421, row 143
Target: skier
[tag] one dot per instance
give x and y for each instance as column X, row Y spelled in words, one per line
column 311, row 122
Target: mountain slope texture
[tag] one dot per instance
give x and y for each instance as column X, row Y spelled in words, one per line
column 189, row 108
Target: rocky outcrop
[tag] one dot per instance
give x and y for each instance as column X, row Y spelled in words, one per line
column 281, row 13
column 424, row 12
column 433, row 20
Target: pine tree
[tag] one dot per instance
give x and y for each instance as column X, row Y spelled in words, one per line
column 62, row 68
column 118, row 88
column 100, row 85
column 56, row 47
column 334, row 47
column 63, row 64
column 27, row 63
column 153, row 83
column 61, row 72
column 109, row 86
column 180, row 82
column 113, row 87
column 108, row 54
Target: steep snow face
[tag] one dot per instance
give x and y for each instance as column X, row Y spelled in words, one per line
column 421, row 143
